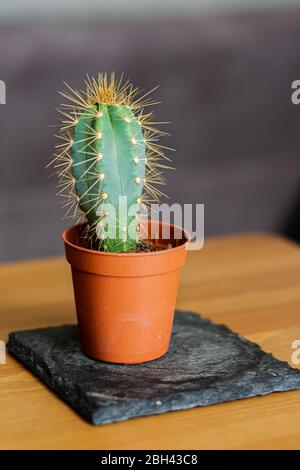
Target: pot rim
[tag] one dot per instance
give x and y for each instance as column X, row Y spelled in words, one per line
column 129, row 254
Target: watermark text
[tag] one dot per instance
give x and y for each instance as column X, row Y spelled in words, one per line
column 296, row 354
column 2, row 353
column 2, row 92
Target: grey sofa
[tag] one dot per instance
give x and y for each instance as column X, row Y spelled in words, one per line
column 225, row 82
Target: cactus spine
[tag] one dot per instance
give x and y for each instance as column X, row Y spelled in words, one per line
column 108, row 154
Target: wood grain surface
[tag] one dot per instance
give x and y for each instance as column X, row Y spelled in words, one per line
column 249, row 282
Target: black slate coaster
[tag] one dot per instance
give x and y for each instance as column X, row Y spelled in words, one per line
column 206, row 364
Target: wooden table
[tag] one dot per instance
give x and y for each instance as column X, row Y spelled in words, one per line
column 249, row 282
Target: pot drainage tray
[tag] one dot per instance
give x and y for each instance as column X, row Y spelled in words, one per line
column 206, row 364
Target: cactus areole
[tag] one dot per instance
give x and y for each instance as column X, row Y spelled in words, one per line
column 108, row 161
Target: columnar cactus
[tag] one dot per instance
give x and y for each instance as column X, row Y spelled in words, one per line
column 108, row 161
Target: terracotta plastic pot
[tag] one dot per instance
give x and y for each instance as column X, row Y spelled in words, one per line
column 125, row 302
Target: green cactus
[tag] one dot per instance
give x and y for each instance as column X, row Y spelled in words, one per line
column 108, row 160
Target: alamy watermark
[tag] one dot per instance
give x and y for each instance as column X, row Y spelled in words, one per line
column 2, row 353
column 2, row 92
column 296, row 354
column 120, row 222
column 295, row 96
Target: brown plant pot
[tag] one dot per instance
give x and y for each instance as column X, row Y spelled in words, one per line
column 125, row 302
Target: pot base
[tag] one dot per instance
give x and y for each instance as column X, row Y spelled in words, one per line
column 125, row 358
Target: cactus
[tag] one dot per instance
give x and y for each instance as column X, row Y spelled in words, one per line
column 108, row 154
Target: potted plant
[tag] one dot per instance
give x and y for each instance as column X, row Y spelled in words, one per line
column 125, row 272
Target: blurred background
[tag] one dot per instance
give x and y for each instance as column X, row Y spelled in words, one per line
column 225, row 70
